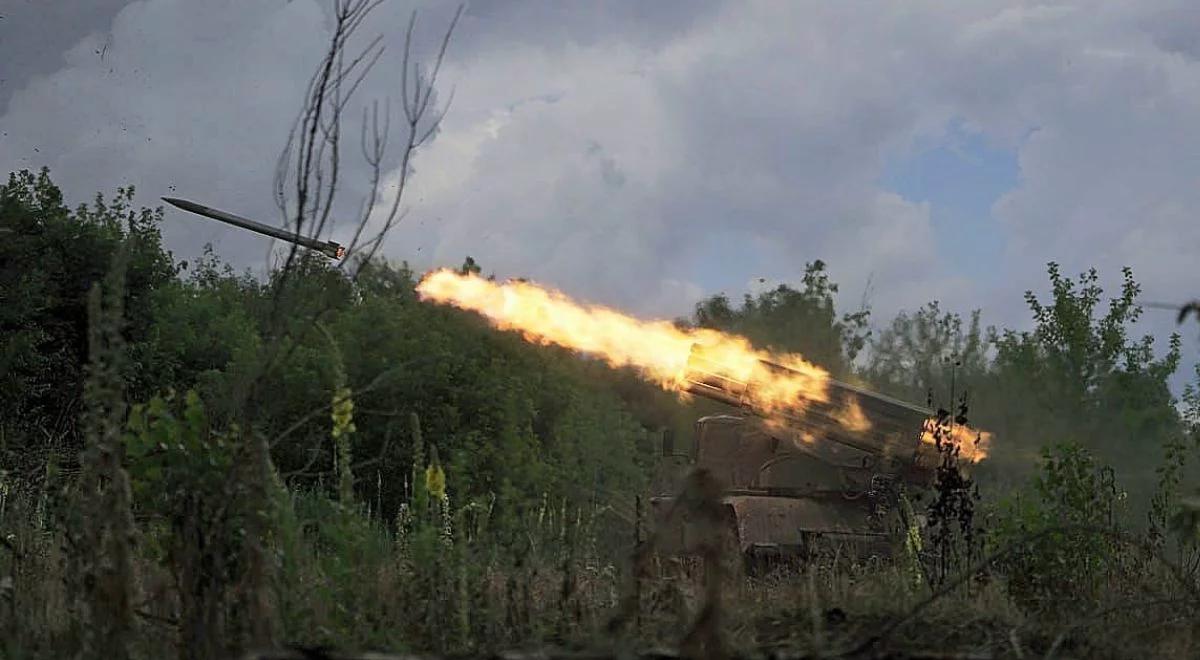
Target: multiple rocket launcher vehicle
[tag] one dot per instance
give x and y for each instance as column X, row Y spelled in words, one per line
column 798, row 482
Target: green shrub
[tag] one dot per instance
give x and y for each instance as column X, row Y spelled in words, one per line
column 1071, row 504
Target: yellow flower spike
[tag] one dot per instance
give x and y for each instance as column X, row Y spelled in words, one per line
column 435, row 476
column 342, row 413
column 435, row 481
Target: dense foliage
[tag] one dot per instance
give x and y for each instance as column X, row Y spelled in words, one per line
column 50, row 257
column 294, row 442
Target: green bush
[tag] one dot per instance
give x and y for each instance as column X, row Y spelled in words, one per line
column 1070, row 506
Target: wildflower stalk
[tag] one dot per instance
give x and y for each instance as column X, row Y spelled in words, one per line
column 342, row 417
column 343, row 428
column 420, row 495
column 102, row 552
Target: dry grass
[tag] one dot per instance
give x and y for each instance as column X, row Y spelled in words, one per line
column 365, row 592
column 340, row 579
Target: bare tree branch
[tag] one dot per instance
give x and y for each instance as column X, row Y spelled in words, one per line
column 310, row 167
column 306, row 187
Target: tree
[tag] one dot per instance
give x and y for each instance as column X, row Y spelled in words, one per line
column 792, row 320
column 1080, row 377
column 928, row 354
column 308, row 183
column 1083, row 374
column 49, row 259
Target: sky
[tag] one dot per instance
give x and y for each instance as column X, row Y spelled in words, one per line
column 645, row 155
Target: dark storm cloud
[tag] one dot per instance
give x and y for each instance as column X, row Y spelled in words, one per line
column 35, row 33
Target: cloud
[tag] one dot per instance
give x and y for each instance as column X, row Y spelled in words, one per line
column 648, row 153
column 613, row 166
column 190, row 99
column 34, row 35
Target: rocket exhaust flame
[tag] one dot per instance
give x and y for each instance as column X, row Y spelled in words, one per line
column 657, row 349
column 972, row 444
column 687, row 361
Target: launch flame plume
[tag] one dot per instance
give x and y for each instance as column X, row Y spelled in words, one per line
column 658, row 350
column 972, row 444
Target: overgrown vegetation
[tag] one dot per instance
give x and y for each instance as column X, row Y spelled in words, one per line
column 407, row 478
